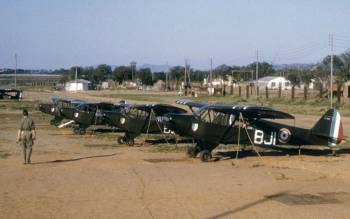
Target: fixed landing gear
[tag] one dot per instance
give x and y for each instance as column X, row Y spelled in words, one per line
column 79, row 131
column 126, row 140
column 204, row 155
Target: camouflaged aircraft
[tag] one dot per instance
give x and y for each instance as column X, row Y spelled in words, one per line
column 213, row 124
column 87, row 114
column 55, row 107
column 142, row 119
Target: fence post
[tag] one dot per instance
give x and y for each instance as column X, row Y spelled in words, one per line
column 257, row 91
column 231, row 91
column 321, row 91
column 305, row 92
column 239, row 91
column 293, row 92
column 279, row 91
column 247, row 91
column 267, row 92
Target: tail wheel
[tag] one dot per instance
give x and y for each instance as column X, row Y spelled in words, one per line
column 205, row 155
column 192, row 152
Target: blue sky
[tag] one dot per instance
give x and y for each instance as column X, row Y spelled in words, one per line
column 63, row 33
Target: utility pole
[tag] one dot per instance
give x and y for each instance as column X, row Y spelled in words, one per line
column 257, row 66
column 185, row 72
column 166, row 77
column 15, row 70
column 211, row 71
column 331, row 83
column 76, row 78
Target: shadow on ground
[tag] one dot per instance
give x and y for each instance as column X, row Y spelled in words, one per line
column 74, row 159
column 225, row 155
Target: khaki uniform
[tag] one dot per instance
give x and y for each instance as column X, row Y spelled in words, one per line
column 27, row 126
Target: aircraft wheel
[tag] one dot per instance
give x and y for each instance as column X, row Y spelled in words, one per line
column 192, row 152
column 205, row 155
column 82, row 131
column 121, row 139
column 76, row 130
column 130, row 142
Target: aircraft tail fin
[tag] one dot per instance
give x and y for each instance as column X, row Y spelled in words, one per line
column 330, row 127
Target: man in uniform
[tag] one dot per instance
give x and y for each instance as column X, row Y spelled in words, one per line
column 26, row 135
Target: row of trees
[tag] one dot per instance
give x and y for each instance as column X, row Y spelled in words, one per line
column 297, row 76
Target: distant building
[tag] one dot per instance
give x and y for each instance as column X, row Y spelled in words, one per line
column 273, row 82
column 346, row 89
column 79, row 85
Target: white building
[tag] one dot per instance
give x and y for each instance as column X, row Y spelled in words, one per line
column 79, row 85
column 273, row 82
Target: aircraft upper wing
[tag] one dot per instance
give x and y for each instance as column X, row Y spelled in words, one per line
column 191, row 103
column 252, row 112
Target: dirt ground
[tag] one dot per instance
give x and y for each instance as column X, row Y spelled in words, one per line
column 92, row 176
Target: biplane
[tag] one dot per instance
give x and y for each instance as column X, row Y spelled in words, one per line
column 213, row 124
column 143, row 119
column 55, row 107
column 11, row 94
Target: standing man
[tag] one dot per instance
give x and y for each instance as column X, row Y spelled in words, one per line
column 26, row 135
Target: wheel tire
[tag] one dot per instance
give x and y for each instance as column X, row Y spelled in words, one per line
column 130, row 142
column 192, row 152
column 76, row 131
column 205, row 155
column 121, row 139
column 82, row 131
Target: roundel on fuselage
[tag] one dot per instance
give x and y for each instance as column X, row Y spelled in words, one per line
column 284, row 135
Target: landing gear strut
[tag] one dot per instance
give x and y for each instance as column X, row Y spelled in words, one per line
column 79, row 131
column 205, row 155
column 126, row 140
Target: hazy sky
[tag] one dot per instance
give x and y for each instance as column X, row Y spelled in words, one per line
column 63, row 33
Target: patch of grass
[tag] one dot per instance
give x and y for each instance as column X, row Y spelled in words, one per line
column 18, row 105
column 4, row 155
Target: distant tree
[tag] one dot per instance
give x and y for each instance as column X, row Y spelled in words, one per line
column 145, row 75
column 159, row 76
column 177, row 73
column 122, row 73
column 294, row 78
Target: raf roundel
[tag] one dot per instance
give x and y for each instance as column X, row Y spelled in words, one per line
column 284, row 135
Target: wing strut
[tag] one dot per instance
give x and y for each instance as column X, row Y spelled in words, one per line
column 243, row 124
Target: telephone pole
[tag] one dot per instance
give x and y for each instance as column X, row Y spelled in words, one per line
column 257, row 66
column 331, row 83
column 15, row 70
column 211, row 71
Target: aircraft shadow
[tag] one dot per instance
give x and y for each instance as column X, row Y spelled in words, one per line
column 225, row 155
column 105, row 130
column 246, row 206
column 170, row 141
column 74, row 159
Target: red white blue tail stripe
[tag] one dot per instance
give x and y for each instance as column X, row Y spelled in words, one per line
column 336, row 132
